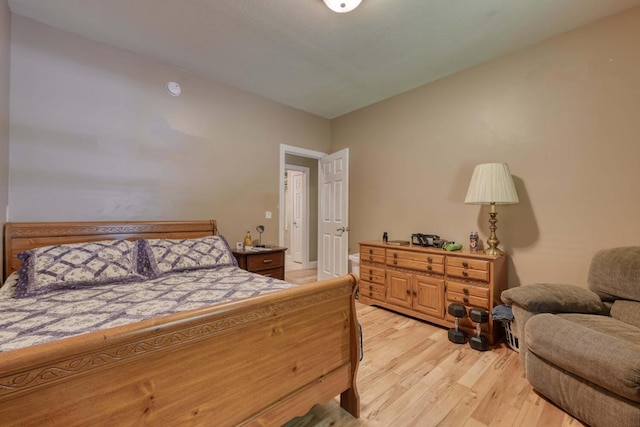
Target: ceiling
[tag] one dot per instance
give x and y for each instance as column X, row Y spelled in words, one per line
column 300, row 53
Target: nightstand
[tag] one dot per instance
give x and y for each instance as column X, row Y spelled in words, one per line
column 268, row 261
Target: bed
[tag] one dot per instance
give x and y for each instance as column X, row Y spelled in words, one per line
column 261, row 360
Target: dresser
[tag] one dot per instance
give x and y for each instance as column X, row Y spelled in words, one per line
column 422, row 282
column 268, row 262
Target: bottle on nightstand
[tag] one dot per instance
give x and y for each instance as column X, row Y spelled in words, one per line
column 248, row 241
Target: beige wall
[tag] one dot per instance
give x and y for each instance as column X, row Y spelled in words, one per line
column 564, row 114
column 96, row 136
column 5, row 44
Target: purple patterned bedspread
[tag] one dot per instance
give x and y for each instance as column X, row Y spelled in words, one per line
column 59, row 314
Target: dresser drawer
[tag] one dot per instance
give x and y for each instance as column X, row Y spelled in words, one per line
column 372, row 274
column 265, row 261
column 468, row 268
column 467, row 294
column 372, row 254
column 416, row 261
column 372, row 290
column 468, row 289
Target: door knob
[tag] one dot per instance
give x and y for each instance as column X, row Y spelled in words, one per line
column 342, row 229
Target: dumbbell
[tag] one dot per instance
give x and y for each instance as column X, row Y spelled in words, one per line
column 479, row 341
column 455, row 334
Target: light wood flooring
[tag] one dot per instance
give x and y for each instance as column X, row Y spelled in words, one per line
column 412, row 375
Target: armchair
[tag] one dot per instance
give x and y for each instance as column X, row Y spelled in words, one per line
column 581, row 347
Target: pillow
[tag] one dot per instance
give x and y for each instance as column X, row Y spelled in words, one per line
column 554, row 298
column 76, row 265
column 9, row 285
column 173, row 255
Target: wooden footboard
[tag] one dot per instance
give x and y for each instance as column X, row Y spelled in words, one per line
column 260, row 361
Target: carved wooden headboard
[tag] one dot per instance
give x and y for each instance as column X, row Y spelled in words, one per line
column 21, row 236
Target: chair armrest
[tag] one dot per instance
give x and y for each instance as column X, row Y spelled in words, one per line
column 554, row 298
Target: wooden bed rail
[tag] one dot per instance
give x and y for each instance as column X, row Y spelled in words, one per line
column 258, row 361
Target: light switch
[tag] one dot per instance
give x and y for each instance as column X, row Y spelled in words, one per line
column 267, row 214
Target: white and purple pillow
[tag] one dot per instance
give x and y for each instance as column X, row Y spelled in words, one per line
column 173, row 255
column 77, row 265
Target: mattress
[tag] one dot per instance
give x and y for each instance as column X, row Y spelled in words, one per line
column 58, row 314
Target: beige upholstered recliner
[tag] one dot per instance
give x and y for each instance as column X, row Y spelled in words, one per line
column 581, row 347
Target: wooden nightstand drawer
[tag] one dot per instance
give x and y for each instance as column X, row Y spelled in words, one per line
column 268, row 263
column 261, row 261
column 372, row 274
column 372, row 254
column 276, row 273
column 416, row 261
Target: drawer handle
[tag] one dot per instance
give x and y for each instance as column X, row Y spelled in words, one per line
column 465, row 273
column 395, row 255
column 395, row 261
column 267, row 261
column 429, row 260
column 466, row 300
column 370, row 278
column 408, row 292
column 370, row 271
column 370, row 257
column 465, row 290
column 465, row 264
column 370, row 251
column 429, row 267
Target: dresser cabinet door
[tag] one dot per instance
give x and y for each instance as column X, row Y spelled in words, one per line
column 399, row 288
column 429, row 295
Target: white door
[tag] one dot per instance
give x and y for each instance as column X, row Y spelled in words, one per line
column 333, row 239
column 298, row 192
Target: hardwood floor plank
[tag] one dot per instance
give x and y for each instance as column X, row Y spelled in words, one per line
column 412, row 375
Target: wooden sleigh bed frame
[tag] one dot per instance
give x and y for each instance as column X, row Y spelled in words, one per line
column 258, row 361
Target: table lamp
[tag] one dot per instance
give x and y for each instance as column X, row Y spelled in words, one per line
column 492, row 184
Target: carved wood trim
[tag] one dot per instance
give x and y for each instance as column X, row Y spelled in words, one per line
column 109, row 356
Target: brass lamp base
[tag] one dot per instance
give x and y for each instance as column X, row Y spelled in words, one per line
column 493, row 241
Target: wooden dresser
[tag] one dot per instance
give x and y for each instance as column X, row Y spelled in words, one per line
column 422, row 282
column 269, row 262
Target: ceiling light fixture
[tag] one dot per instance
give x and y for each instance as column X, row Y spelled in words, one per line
column 342, row 6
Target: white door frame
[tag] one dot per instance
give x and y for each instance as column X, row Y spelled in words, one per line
column 296, row 151
column 305, row 214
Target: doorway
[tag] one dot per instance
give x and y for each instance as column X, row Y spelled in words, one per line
column 298, row 159
column 296, row 225
column 327, row 197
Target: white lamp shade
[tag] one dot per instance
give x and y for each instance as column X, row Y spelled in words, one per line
column 491, row 183
column 342, row 6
